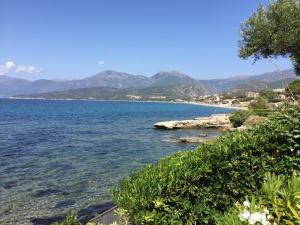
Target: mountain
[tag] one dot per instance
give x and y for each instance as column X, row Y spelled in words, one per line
column 111, row 79
column 171, row 78
column 249, row 83
column 158, row 83
column 275, row 76
column 258, row 85
column 13, row 86
column 180, row 91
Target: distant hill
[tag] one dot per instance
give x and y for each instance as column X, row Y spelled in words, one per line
column 111, row 79
column 12, row 86
column 171, row 78
column 258, row 85
column 103, row 79
column 249, row 83
column 159, row 84
column 179, row 91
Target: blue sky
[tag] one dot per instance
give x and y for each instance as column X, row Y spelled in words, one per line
column 73, row 39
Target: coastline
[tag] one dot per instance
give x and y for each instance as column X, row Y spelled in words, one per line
column 225, row 106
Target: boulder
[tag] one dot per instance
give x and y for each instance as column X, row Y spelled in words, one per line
column 213, row 121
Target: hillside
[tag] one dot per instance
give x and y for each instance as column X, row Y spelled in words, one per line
column 180, row 91
column 249, row 83
column 157, row 85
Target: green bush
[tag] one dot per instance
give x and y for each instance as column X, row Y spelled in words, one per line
column 259, row 103
column 70, row 219
column 239, row 117
column 278, row 203
column 294, row 87
column 263, row 112
column 194, row 187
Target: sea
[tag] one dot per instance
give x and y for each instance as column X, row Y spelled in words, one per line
column 58, row 156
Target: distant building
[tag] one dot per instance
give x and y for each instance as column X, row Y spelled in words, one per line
column 244, row 104
column 158, row 97
column 134, row 97
column 279, row 90
column 251, row 94
column 227, row 101
column 281, row 96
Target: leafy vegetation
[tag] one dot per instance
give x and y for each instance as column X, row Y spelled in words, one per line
column 278, row 203
column 273, row 31
column 260, row 107
column 195, row 187
column 294, row 87
column 70, row 219
column 259, row 103
column 239, row 117
column 254, row 119
column 269, row 95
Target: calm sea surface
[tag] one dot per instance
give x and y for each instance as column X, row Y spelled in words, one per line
column 57, row 156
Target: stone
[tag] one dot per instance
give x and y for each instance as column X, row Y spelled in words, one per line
column 213, row 121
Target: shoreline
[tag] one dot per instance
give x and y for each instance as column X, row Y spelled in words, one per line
column 216, row 105
column 224, row 106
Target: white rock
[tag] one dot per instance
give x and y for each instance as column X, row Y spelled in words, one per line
column 213, row 121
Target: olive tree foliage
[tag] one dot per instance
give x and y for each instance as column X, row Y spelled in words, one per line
column 273, row 31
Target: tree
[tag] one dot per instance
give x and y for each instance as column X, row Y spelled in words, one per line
column 259, row 103
column 268, row 94
column 239, row 117
column 294, row 87
column 273, row 31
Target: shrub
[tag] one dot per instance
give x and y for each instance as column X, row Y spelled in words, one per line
column 262, row 112
column 253, row 119
column 279, row 203
column 70, row 219
column 239, row 117
column 294, row 87
column 269, row 95
column 235, row 101
column 259, row 103
column 193, row 187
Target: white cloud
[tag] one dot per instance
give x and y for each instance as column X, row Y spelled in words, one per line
column 27, row 69
column 6, row 67
column 100, row 62
column 20, row 69
column 10, row 66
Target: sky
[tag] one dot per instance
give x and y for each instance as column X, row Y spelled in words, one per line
column 72, row 39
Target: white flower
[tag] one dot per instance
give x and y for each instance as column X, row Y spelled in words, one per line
column 256, row 218
column 264, row 221
column 246, row 204
column 244, row 216
column 266, row 211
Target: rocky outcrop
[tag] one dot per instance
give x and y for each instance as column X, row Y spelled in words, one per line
column 213, row 121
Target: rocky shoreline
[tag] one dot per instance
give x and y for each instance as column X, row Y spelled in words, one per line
column 218, row 121
column 215, row 121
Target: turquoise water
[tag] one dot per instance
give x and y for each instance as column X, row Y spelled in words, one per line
column 57, row 156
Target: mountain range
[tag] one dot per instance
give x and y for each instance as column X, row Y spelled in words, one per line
column 118, row 85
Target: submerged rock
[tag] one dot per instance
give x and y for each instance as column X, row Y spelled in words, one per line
column 194, row 139
column 213, row 121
